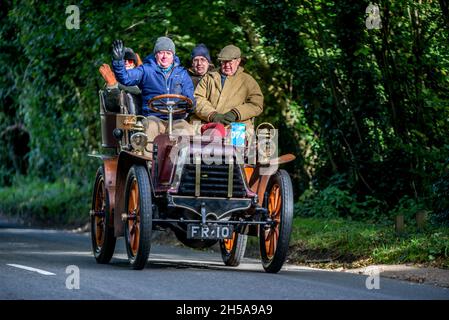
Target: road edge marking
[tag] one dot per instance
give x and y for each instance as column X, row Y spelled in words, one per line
column 46, row 273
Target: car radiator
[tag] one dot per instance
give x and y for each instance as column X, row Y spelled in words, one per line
column 224, row 180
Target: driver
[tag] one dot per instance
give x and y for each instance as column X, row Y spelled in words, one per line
column 160, row 73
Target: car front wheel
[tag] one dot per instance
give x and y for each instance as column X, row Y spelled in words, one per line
column 274, row 240
column 138, row 224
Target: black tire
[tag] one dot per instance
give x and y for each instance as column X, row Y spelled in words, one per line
column 275, row 240
column 138, row 230
column 101, row 223
column 233, row 250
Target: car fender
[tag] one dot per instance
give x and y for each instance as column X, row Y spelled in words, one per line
column 261, row 175
column 125, row 161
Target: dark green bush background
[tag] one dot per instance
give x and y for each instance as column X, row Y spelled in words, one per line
column 364, row 110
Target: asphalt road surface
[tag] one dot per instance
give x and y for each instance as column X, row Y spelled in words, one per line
column 44, row 264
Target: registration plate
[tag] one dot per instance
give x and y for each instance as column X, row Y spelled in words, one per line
column 210, row 231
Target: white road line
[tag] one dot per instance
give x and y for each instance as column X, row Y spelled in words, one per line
column 46, row 273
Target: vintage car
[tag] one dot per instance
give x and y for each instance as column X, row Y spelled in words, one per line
column 181, row 188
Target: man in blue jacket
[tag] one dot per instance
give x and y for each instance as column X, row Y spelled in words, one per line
column 160, row 73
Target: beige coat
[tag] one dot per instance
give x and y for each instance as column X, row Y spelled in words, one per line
column 240, row 93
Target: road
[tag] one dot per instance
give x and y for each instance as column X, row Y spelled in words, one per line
column 38, row 264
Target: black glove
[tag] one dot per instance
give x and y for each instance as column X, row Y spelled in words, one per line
column 118, row 50
column 218, row 117
column 229, row 117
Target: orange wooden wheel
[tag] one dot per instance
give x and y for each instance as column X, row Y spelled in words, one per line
column 102, row 235
column 229, row 243
column 274, row 238
column 100, row 208
column 138, row 224
column 134, row 215
column 271, row 235
column 233, row 249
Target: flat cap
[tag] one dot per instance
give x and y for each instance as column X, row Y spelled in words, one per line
column 229, row 53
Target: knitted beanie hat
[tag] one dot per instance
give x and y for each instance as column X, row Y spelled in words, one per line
column 164, row 44
column 200, row 50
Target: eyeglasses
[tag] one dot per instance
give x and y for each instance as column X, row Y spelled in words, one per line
column 199, row 60
column 224, row 62
column 129, row 61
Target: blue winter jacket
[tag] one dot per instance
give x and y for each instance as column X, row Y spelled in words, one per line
column 151, row 80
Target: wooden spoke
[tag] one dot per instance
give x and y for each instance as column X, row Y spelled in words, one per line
column 100, row 206
column 274, row 210
column 133, row 211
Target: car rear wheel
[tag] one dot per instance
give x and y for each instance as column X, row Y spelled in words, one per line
column 233, row 249
column 274, row 240
column 138, row 224
column 101, row 226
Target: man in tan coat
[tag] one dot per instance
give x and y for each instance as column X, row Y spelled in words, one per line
column 229, row 95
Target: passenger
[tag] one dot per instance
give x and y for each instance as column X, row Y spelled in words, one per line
column 160, row 73
column 229, row 94
column 113, row 88
column 201, row 63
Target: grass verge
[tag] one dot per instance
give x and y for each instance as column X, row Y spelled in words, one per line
column 334, row 243
column 48, row 204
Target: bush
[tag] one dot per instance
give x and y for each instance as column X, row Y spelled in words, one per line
column 333, row 202
column 440, row 200
column 59, row 203
column 408, row 208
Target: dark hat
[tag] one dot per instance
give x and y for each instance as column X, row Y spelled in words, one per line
column 164, row 44
column 229, row 53
column 200, row 50
column 130, row 55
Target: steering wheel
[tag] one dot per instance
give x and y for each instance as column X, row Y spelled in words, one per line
column 156, row 102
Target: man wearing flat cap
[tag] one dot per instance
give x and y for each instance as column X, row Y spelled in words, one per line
column 229, row 94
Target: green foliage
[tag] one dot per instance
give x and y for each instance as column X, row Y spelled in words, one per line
column 363, row 110
column 373, row 98
column 440, row 200
column 60, row 203
column 333, row 202
column 408, row 208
